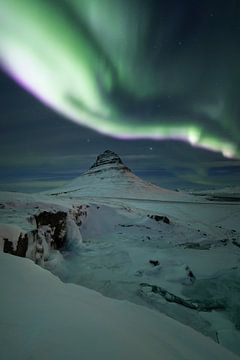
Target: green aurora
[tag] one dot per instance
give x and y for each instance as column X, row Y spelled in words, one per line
column 131, row 69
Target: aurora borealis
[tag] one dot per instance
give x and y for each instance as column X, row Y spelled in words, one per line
column 131, row 69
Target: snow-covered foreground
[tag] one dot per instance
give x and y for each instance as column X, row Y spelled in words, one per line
column 174, row 253
column 42, row 318
column 110, row 243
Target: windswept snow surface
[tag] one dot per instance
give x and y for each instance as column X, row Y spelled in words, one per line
column 43, row 318
column 110, row 249
column 116, row 224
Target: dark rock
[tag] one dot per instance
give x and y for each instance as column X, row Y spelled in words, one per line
column 125, row 225
column 195, row 305
column 196, row 246
column 164, row 219
column 22, row 246
column 235, row 242
column 190, row 274
column 8, row 247
column 107, row 158
column 57, row 223
column 154, row 262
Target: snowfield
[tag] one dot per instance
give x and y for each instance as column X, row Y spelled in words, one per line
column 165, row 252
column 42, row 318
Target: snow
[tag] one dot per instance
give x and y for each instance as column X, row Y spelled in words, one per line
column 74, row 237
column 43, row 318
column 111, row 240
column 10, row 232
column 110, row 243
column 227, row 191
column 109, row 177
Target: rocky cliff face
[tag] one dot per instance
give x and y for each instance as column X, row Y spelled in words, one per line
column 106, row 161
column 107, row 157
column 55, row 225
column 50, row 233
column 21, row 248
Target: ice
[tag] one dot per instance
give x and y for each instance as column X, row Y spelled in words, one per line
column 111, row 240
column 42, row 318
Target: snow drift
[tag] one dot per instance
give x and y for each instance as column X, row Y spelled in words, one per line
column 42, row 318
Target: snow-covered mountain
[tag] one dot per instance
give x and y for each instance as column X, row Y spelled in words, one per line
column 110, row 231
column 110, row 177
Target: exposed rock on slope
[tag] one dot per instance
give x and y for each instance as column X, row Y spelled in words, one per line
column 56, row 223
column 50, row 233
column 110, row 177
column 111, row 160
column 21, row 248
column 165, row 219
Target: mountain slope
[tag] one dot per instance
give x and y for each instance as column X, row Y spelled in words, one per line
column 110, row 177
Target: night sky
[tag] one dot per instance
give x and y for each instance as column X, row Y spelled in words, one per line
column 156, row 81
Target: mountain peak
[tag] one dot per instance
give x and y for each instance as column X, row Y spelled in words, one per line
column 108, row 159
column 110, row 177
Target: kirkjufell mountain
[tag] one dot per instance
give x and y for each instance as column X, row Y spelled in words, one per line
column 114, row 233
column 110, row 177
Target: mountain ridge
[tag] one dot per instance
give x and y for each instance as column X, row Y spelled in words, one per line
column 108, row 176
column 106, row 161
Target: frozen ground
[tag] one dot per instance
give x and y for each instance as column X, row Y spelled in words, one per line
column 119, row 239
column 199, row 237
column 177, row 254
column 42, row 318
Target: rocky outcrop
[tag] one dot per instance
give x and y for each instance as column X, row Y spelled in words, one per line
column 205, row 244
column 50, row 234
column 79, row 213
column 169, row 297
column 22, row 246
column 107, row 161
column 164, row 219
column 154, row 262
column 56, row 223
column 107, row 157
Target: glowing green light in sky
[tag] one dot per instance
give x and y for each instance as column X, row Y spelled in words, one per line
column 95, row 62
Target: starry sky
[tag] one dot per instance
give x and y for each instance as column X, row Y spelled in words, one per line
column 155, row 81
